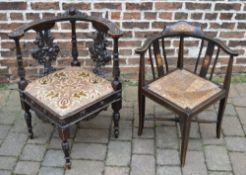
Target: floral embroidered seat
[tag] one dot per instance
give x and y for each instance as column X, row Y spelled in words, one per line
column 184, row 88
column 67, row 91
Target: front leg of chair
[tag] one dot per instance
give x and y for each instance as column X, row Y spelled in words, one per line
column 141, row 110
column 116, row 117
column 185, row 138
column 64, row 135
column 221, row 111
column 28, row 118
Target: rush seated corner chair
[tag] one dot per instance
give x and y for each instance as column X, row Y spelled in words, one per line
column 182, row 79
column 67, row 96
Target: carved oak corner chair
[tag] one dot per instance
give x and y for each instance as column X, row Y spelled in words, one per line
column 187, row 89
column 67, row 96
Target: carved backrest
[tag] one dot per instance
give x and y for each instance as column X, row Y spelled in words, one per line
column 185, row 45
column 46, row 50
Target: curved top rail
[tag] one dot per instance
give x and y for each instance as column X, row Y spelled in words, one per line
column 185, row 29
column 71, row 15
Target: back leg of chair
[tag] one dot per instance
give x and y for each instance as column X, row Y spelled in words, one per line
column 28, row 118
column 185, row 133
column 64, row 135
column 116, row 117
column 222, row 106
column 141, row 108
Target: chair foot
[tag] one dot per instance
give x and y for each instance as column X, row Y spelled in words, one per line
column 116, row 117
column 67, row 165
column 28, row 118
column 116, row 132
column 64, row 135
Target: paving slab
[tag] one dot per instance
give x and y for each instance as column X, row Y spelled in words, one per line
column 195, row 163
column 13, row 144
column 88, row 151
column 86, row 167
column 167, row 157
column 169, row 170
column 7, row 163
column 143, row 165
column 116, row 171
column 33, row 152
column 119, row 153
column 51, row 171
column 217, row 158
column 236, row 143
column 231, row 126
column 166, row 137
column 54, row 158
column 92, row 135
column 238, row 162
column 26, row 167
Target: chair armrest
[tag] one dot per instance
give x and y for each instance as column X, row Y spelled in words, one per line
column 146, row 45
column 226, row 48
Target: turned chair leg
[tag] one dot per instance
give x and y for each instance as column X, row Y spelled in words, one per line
column 185, row 139
column 141, row 110
column 64, row 135
column 116, row 117
column 221, row 111
column 28, row 118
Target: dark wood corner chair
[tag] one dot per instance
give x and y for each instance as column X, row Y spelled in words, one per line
column 185, row 90
column 67, row 96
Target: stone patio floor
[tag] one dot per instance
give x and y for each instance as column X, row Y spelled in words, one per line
column 95, row 152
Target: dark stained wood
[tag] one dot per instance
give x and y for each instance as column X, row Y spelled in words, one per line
column 158, row 59
column 182, row 30
column 214, row 65
column 64, row 135
column 47, row 49
column 199, row 55
column 141, row 97
column 75, row 54
column 181, row 53
column 116, row 83
column 207, row 59
column 164, row 54
column 152, row 63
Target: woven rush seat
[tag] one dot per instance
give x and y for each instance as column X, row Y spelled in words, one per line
column 67, row 91
column 184, row 88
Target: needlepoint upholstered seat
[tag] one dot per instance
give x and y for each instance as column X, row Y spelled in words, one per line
column 69, row 91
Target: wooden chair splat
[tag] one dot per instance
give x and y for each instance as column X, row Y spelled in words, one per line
column 181, row 53
column 207, row 59
column 152, row 63
column 164, row 54
column 215, row 62
column 158, row 59
column 199, row 56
